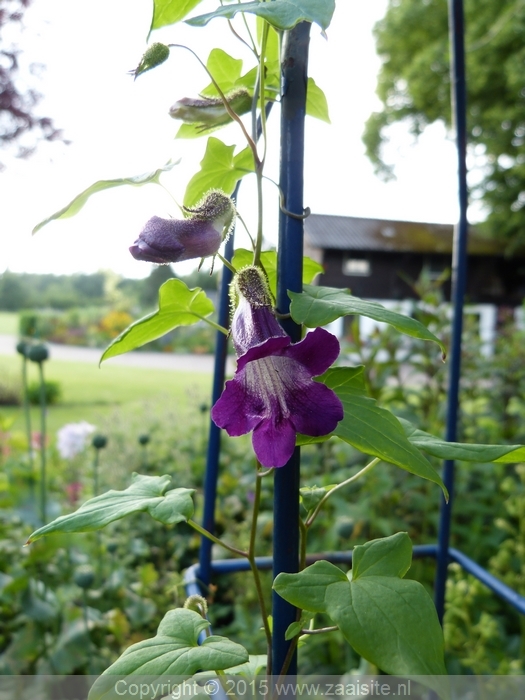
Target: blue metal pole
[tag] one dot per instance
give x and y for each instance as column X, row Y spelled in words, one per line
column 459, row 277
column 219, row 371
column 214, row 440
column 289, row 271
column 487, row 579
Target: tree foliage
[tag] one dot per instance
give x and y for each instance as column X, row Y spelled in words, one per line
column 414, row 86
column 17, row 103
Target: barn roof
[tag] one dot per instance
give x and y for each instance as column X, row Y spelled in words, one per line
column 355, row 233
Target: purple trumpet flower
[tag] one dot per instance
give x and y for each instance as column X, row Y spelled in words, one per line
column 273, row 393
column 198, row 236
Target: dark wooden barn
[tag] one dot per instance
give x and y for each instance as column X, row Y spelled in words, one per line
column 375, row 257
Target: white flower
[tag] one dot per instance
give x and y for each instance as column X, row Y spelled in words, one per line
column 72, row 438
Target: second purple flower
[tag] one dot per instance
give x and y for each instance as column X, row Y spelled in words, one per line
column 273, row 393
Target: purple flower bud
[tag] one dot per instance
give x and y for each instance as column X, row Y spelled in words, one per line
column 173, row 240
column 210, row 111
column 198, row 236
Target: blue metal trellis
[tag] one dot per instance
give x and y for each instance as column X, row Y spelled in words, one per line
column 286, row 491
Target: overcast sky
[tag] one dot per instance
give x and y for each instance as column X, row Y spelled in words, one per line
column 118, row 128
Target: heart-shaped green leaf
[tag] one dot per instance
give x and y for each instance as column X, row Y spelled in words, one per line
column 318, row 306
column 76, row 204
column 461, row 451
column 387, row 556
column 225, row 69
column 178, row 306
column 174, row 651
column 312, row 495
column 389, row 621
column 220, row 169
column 146, row 493
column 254, row 666
column 316, row 103
column 281, row 14
column 166, row 12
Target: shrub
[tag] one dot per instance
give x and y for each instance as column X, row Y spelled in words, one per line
column 10, row 392
column 52, row 389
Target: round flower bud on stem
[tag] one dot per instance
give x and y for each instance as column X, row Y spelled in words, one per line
column 38, row 353
column 99, row 441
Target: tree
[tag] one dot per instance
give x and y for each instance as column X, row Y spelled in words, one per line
column 14, row 294
column 17, row 116
column 414, row 86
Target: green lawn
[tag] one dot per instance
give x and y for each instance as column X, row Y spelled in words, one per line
column 8, row 322
column 94, row 394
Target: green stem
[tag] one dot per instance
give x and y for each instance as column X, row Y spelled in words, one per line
column 259, row 237
column 43, row 485
column 226, row 263
column 86, row 624
column 262, row 88
column 259, row 165
column 27, row 412
column 211, row 323
column 289, row 657
column 202, row 531
column 327, row 495
column 320, row 630
column 247, row 230
column 253, row 565
column 95, row 473
column 303, row 532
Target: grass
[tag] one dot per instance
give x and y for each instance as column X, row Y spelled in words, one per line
column 8, row 323
column 93, row 394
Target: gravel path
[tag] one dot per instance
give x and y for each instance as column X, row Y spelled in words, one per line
column 155, row 360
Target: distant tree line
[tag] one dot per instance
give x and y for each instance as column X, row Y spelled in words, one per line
column 28, row 291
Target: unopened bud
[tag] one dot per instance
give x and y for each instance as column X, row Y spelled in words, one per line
column 198, row 236
column 38, row 353
column 211, row 111
column 155, row 55
column 250, row 282
column 197, row 603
